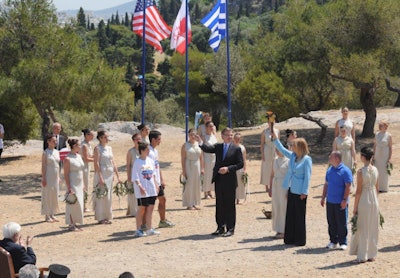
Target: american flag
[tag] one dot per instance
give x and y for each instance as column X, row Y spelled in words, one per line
column 216, row 22
column 156, row 29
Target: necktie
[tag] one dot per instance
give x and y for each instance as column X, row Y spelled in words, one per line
column 226, row 146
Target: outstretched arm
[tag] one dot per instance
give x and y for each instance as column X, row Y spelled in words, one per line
column 282, row 149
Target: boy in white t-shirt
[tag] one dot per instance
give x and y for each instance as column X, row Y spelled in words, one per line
column 155, row 139
column 146, row 189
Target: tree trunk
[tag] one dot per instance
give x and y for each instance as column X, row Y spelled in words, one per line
column 393, row 89
column 45, row 119
column 319, row 122
column 367, row 102
column 397, row 104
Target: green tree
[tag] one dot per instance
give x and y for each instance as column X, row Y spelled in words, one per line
column 102, row 36
column 117, row 20
column 81, row 18
column 59, row 71
column 364, row 48
column 88, row 23
column 127, row 21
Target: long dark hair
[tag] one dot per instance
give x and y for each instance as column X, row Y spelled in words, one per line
column 367, row 152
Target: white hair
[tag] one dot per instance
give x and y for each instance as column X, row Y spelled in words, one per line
column 10, row 229
column 29, row 271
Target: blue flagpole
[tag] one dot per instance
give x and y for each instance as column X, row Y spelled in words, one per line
column 144, row 61
column 187, row 70
column 228, row 67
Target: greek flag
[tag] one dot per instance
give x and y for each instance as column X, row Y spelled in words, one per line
column 216, row 22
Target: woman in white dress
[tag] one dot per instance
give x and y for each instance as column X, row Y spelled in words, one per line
column 74, row 180
column 364, row 242
column 50, row 179
column 192, row 167
column 131, row 156
column 87, row 156
column 279, row 194
column 241, row 188
column 104, row 169
column 144, row 132
column 201, row 130
column 290, row 136
column 267, row 149
column 347, row 124
column 383, row 154
column 209, row 161
column 345, row 145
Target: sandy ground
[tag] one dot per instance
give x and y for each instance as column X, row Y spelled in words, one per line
column 188, row 249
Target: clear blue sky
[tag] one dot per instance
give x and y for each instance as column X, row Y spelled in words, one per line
column 92, row 5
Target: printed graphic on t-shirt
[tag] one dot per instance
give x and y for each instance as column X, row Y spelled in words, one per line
column 156, row 164
column 147, row 172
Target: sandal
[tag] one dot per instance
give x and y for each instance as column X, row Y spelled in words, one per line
column 49, row 219
column 360, row 261
column 74, row 228
column 54, row 218
column 279, row 236
column 267, row 214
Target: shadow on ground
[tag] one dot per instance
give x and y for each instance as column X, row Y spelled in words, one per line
column 20, row 185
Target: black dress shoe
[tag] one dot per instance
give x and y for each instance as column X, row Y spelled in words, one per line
column 219, row 232
column 229, row 233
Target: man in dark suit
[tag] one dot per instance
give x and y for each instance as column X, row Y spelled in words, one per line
column 21, row 252
column 228, row 159
column 61, row 140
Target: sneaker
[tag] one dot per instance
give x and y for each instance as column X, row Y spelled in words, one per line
column 152, row 232
column 140, row 233
column 331, row 245
column 343, row 247
column 165, row 224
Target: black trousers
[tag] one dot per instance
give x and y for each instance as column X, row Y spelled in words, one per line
column 225, row 213
column 337, row 223
column 295, row 225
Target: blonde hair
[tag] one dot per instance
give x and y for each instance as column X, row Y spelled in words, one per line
column 301, row 147
column 386, row 124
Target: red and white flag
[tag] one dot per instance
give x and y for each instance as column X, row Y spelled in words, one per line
column 178, row 35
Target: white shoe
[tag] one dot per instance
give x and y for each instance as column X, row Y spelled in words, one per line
column 140, row 233
column 331, row 245
column 152, row 232
column 343, row 247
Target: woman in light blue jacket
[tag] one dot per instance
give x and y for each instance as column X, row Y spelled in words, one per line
column 296, row 181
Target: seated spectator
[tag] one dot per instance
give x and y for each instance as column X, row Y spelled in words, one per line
column 29, row 271
column 126, row 274
column 21, row 252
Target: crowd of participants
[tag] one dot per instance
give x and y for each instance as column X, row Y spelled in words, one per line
column 217, row 170
column 286, row 173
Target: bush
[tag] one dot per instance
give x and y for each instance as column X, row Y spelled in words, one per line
column 161, row 112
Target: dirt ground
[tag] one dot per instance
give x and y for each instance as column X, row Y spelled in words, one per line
column 188, row 249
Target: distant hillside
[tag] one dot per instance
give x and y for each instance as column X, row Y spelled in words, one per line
column 128, row 7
